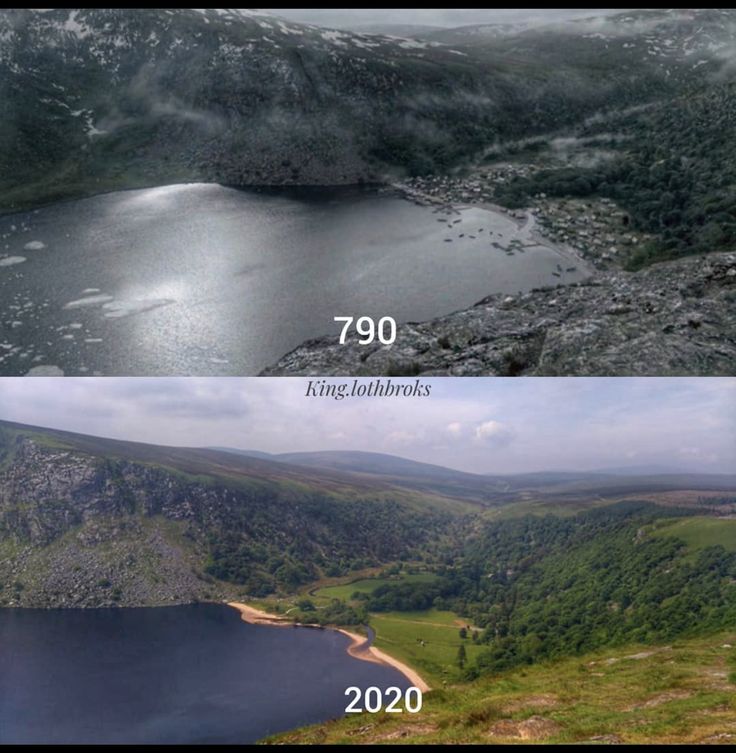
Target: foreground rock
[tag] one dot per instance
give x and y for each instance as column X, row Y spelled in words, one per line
column 674, row 318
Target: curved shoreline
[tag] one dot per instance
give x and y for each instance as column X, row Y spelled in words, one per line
column 359, row 647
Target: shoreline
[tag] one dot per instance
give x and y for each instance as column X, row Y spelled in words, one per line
column 527, row 225
column 359, row 647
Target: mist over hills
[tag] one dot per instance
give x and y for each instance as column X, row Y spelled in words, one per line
column 94, row 100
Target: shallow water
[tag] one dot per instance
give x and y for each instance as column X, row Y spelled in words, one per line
column 190, row 674
column 201, row 279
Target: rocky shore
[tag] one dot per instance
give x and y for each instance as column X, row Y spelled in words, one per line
column 594, row 229
column 673, row 318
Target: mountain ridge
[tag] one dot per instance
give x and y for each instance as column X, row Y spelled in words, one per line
column 95, row 100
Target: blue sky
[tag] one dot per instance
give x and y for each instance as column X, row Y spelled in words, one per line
column 480, row 425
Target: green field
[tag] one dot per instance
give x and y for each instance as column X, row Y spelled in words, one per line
column 699, row 532
column 368, row 585
column 427, row 640
column 680, row 693
column 562, row 509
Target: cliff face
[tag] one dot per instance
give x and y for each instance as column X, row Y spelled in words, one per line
column 89, row 528
column 669, row 319
column 75, row 531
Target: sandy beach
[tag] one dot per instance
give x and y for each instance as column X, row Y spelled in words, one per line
column 358, row 648
column 255, row 616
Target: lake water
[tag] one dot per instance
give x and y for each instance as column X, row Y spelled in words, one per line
column 205, row 280
column 190, row 674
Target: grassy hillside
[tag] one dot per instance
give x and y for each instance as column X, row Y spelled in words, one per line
column 427, row 640
column 699, row 533
column 682, row 692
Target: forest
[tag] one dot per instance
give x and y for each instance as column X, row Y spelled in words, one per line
column 547, row 587
column 674, row 172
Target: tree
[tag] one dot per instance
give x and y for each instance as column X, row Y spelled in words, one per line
column 461, row 656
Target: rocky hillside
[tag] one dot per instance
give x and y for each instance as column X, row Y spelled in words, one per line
column 672, row 316
column 106, row 526
column 92, row 100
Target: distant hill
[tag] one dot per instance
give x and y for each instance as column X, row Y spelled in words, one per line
column 476, row 34
column 372, row 462
column 246, row 453
column 497, row 489
column 417, row 31
column 161, row 524
column 100, row 99
column 86, row 521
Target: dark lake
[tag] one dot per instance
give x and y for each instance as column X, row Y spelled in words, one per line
column 189, row 674
column 201, row 279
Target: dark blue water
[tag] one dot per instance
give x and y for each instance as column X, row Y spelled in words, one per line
column 191, row 674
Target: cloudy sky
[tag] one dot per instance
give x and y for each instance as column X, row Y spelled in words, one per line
column 354, row 18
column 480, row 425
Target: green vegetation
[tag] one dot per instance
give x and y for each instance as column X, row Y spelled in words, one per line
column 678, row 693
column 675, row 173
column 266, row 533
column 328, row 536
column 484, row 600
column 367, row 586
column 700, row 533
column 427, row 640
column 532, row 589
column 544, row 588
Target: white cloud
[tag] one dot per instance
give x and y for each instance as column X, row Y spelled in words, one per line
column 454, row 429
column 480, row 425
column 494, row 432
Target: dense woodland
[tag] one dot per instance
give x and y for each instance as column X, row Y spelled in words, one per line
column 675, row 173
column 330, row 537
column 545, row 587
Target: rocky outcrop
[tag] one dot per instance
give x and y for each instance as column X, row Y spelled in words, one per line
column 674, row 318
column 76, row 531
column 93, row 522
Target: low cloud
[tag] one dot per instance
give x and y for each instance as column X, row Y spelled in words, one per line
column 454, row 429
column 479, row 425
column 349, row 18
column 493, row 432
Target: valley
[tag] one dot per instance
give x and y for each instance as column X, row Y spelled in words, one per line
column 487, row 586
column 608, row 134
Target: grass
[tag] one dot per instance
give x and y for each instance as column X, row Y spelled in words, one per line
column 560, row 509
column 681, row 693
column 345, row 591
column 428, row 641
column 701, row 532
